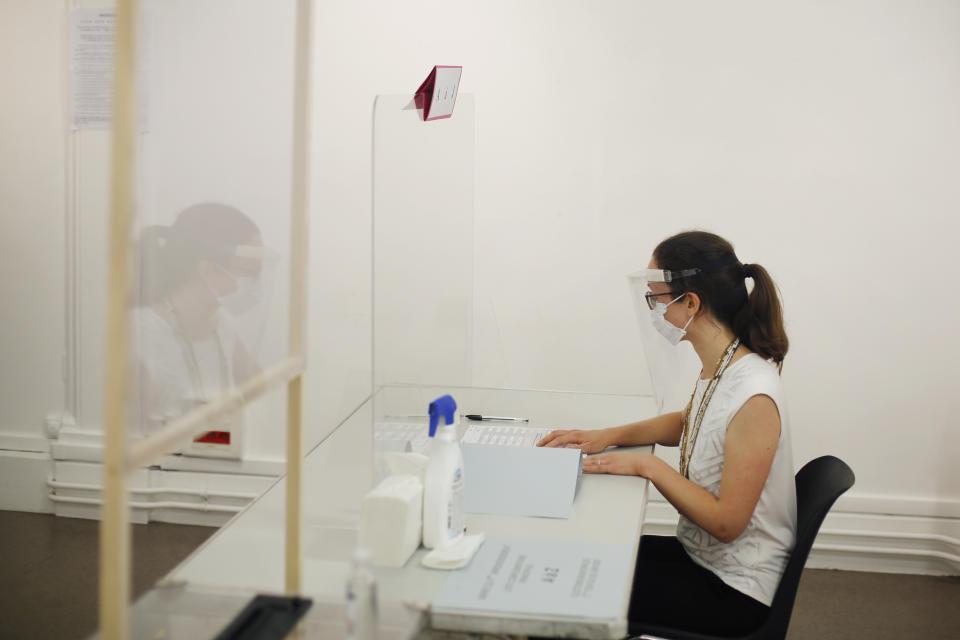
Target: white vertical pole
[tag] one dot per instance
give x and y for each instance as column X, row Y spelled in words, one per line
column 114, row 525
column 298, row 289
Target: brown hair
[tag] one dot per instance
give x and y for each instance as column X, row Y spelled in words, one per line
column 169, row 255
column 756, row 318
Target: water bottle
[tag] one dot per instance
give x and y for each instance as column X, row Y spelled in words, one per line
column 361, row 598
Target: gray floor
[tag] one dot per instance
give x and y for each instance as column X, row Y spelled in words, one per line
column 49, row 566
column 48, row 570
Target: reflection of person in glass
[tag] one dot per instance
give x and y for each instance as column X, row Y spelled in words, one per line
column 189, row 352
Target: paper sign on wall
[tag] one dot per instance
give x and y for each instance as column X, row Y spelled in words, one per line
column 91, row 49
column 438, row 93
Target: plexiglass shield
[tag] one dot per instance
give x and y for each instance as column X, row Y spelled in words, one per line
column 673, row 369
column 212, row 233
column 423, row 207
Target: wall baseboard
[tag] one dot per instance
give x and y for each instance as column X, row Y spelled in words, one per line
column 886, row 542
column 19, row 440
column 900, row 505
column 63, row 475
column 33, row 482
column 22, row 477
column 156, row 495
column 211, row 491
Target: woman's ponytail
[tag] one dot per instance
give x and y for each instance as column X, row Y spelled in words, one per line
column 759, row 322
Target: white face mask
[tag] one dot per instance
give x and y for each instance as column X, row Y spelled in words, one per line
column 247, row 295
column 667, row 329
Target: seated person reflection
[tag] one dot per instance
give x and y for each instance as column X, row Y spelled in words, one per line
column 735, row 487
column 189, row 351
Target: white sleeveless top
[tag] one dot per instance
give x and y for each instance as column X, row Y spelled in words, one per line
column 754, row 562
column 169, row 391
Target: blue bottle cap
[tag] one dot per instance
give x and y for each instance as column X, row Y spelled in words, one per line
column 444, row 406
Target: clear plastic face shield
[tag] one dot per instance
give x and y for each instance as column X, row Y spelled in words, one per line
column 672, row 369
column 253, row 271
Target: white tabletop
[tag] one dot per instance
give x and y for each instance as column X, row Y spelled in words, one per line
column 247, row 553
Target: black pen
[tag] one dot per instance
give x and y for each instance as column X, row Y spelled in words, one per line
column 476, row 416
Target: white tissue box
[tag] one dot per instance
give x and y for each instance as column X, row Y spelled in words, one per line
column 391, row 520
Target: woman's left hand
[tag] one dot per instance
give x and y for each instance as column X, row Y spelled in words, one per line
column 619, row 464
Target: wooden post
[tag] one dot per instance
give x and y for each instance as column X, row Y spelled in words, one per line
column 115, row 525
column 298, row 290
column 294, row 524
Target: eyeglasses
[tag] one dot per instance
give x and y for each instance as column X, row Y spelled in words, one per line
column 652, row 297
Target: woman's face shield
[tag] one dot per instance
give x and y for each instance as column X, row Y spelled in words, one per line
column 250, row 259
column 672, row 369
column 657, row 285
column 254, row 270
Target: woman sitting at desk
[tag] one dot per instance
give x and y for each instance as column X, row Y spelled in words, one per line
column 198, row 276
column 735, row 488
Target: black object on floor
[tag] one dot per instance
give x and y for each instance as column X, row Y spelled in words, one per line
column 266, row 618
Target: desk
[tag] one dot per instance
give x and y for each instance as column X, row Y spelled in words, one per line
column 246, row 555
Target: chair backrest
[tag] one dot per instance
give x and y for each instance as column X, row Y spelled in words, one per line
column 819, row 483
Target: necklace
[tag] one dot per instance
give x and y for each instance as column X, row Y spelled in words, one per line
column 690, row 433
column 190, row 356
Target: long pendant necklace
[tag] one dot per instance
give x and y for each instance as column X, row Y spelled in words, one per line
column 190, row 356
column 690, row 432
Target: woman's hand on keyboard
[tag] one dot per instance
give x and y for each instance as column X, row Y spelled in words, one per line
column 619, row 464
column 587, row 440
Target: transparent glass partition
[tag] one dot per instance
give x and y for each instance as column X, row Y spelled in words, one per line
column 212, row 233
column 423, row 203
column 207, row 254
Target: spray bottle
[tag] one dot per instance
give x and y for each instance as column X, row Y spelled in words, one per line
column 443, row 521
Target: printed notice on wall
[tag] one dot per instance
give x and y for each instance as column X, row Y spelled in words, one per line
column 564, row 579
column 92, row 38
column 92, row 35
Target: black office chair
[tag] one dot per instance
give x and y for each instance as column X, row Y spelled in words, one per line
column 819, row 483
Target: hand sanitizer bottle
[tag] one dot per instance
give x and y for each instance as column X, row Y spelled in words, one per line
column 443, row 521
column 361, row 616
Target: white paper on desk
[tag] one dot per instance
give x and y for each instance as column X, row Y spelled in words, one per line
column 570, row 579
column 520, row 481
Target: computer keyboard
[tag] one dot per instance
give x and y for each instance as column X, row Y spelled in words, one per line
column 507, row 436
column 404, row 437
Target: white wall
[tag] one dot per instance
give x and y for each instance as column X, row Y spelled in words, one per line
column 821, row 138
column 32, row 214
